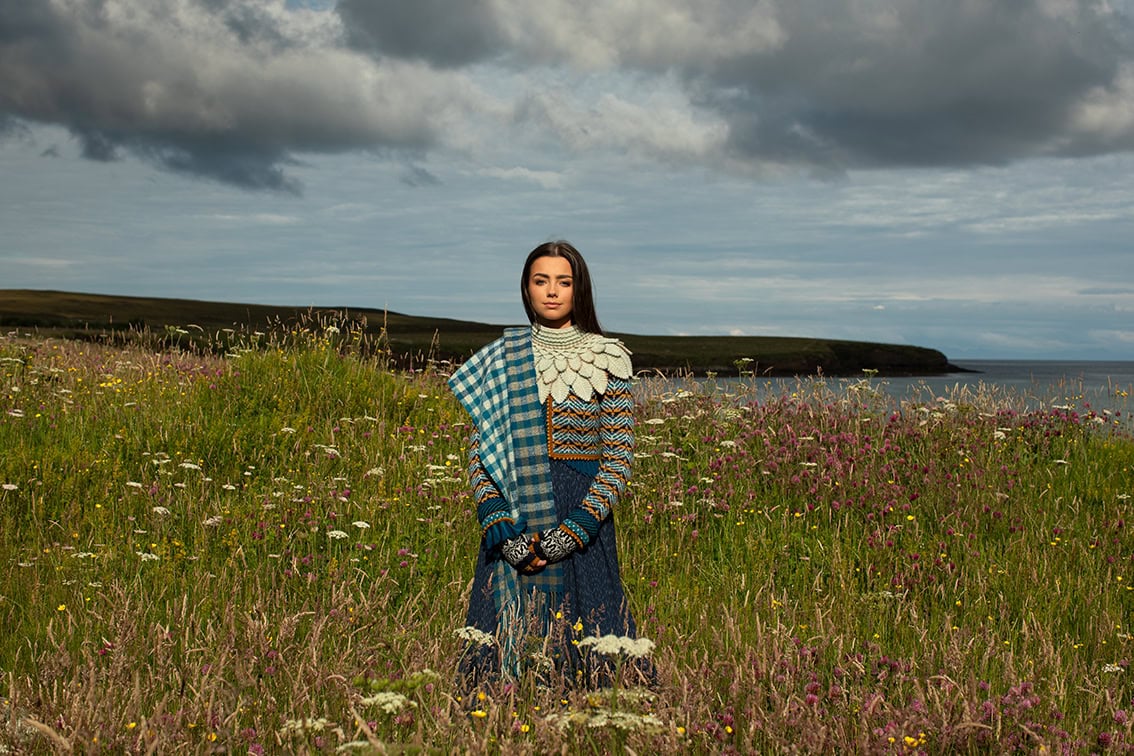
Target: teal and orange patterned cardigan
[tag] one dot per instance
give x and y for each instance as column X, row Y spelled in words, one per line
column 595, row 436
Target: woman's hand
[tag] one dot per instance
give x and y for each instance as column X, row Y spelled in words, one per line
column 537, row 564
column 553, row 545
column 519, row 552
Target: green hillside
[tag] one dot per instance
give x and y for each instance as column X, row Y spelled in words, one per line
column 100, row 317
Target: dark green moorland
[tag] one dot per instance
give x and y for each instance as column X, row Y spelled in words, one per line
column 411, row 338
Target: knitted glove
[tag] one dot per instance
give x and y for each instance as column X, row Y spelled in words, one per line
column 554, row 545
column 517, row 553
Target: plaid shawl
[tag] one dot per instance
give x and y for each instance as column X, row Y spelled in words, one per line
column 497, row 387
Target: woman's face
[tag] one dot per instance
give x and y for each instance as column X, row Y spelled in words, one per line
column 551, row 291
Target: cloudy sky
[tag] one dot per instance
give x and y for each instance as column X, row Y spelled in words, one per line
column 954, row 174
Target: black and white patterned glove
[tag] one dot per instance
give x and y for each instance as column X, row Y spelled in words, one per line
column 517, row 552
column 554, row 545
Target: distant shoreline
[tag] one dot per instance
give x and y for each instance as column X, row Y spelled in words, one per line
column 413, row 339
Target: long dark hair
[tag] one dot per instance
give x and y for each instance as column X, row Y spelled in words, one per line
column 583, row 303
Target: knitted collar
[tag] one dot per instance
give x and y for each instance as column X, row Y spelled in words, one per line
column 571, row 360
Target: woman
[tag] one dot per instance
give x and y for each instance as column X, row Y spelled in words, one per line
column 549, row 457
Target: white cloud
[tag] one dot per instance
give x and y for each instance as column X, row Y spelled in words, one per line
column 1107, row 112
column 544, row 179
column 651, row 34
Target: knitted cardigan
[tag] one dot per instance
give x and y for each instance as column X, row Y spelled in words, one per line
column 593, row 435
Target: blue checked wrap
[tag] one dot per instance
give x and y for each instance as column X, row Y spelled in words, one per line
column 497, row 387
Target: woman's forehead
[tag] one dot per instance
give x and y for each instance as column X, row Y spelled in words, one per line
column 556, row 267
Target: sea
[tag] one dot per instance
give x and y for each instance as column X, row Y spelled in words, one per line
column 1041, row 379
column 1103, row 387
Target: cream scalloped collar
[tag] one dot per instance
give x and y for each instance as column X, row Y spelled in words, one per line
column 570, row 360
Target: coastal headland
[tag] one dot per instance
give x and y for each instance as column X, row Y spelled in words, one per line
column 412, row 339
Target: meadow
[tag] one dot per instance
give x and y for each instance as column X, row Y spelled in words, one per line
column 268, row 548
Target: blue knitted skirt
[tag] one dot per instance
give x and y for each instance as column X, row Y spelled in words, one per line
column 593, row 601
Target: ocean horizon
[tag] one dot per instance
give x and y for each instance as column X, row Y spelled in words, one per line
column 1103, row 386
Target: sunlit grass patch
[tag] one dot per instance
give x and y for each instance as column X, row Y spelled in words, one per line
column 282, row 534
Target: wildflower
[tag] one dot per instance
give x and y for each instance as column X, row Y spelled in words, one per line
column 147, row 556
column 9, row 486
column 619, row 720
column 213, row 521
column 190, row 466
column 389, row 701
column 361, row 524
column 336, row 535
column 613, row 645
column 296, row 726
column 474, row 635
column 480, row 713
column 160, row 511
column 133, row 484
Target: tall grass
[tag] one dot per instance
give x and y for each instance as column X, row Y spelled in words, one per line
column 270, row 550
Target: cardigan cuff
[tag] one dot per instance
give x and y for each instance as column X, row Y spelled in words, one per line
column 577, row 529
column 496, row 522
column 499, row 532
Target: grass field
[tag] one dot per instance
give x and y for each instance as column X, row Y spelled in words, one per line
column 269, row 550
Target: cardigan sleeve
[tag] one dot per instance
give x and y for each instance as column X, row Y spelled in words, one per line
column 616, row 435
column 492, row 511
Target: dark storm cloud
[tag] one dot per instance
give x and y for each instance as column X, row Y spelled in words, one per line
column 248, row 166
column 920, row 83
column 442, row 32
column 830, row 86
column 224, row 90
column 232, row 89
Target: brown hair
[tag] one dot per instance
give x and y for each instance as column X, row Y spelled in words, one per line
column 583, row 304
